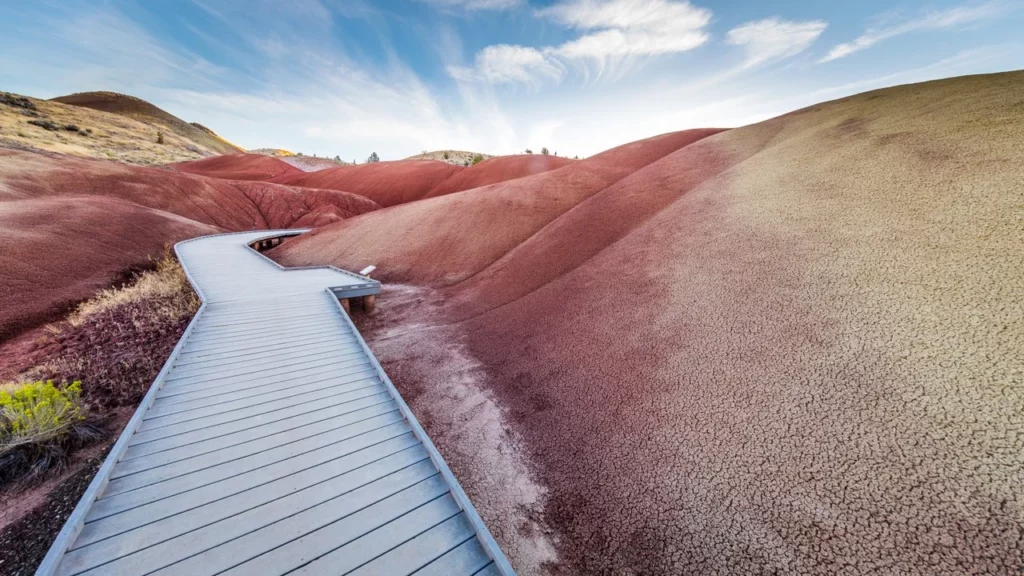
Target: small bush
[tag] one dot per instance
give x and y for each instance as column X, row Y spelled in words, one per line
column 39, row 424
column 71, row 128
column 159, row 137
column 373, row 157
column 544, row 151
column 478, row 159
column 445, row 155
column 528, row 151
column 16, row 101
column 44, row 124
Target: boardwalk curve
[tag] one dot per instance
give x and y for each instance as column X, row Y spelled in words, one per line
column 272, row 442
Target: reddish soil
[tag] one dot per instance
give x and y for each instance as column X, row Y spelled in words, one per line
column 71, row 226
column 239, row 167
column 449, row 238
column 55, row 252
column 386, row 183
column 786, row 348
column 499, row 169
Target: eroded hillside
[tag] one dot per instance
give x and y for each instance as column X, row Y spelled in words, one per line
column 789, row 347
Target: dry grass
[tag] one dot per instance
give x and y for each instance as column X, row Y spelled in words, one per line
column 456, row 157
column 113, row 137
column 117, row 341
column 166, row 288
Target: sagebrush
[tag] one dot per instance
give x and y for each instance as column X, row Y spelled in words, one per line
column 40, row 423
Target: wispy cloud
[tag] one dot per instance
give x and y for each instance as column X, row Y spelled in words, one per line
column 936, row 20
column 476, row 5
column 774, row 39
column 504, row 63
column 615, row 31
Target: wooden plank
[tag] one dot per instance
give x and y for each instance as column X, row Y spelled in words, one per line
column 467, row 558
column 156, row 444
column 240, row 443
column 290, row 543
column 421, row 550
column 158, row 546
column 235, row 494
column 378, row 542
column 166, row 481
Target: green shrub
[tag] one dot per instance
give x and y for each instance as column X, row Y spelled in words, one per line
column 39, row 423
column 478, row 158
column 159, row 137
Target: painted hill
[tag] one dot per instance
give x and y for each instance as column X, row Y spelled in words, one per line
column 787, row 347
column 238, row 167
column 386, row 183
column 70, row 226
column 139, row 109
column 498, row 169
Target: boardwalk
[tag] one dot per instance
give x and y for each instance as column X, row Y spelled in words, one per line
column 272, row 443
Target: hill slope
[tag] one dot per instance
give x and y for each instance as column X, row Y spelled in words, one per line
column 496, row 170
column 89, row 133
column 386, row 183
column 139, row 109
column 238, row 167
column 789, row 347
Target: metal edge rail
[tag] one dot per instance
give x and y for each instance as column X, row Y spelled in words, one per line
column 487, row 541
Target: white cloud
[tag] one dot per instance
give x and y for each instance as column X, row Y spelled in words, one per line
column 504, row 63
column 940, row 20
column 475, row 5
column 773, row 39
column 616, row 31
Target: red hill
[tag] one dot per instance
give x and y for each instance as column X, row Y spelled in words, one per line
column 239, row 167
column 386, row 183
column 498, row 169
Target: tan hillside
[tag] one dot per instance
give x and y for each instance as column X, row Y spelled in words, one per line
column 300, row 161
column 139, row 109
column 88, row 133
column 456, row 157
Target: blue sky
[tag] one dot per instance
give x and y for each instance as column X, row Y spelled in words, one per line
column 578, row 76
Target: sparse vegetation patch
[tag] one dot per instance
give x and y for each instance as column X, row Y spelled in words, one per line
column 40, row 423
column 16, row 101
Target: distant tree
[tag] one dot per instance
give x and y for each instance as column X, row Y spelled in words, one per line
column 446, row 155
column 373, row 158
column 298, row 153
column 465, row 162
column 544, row 151
column 478, row 158
column 576, row 157
column 528, row 151
column 159, row 137
column 556, row 153
column 337, row 158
